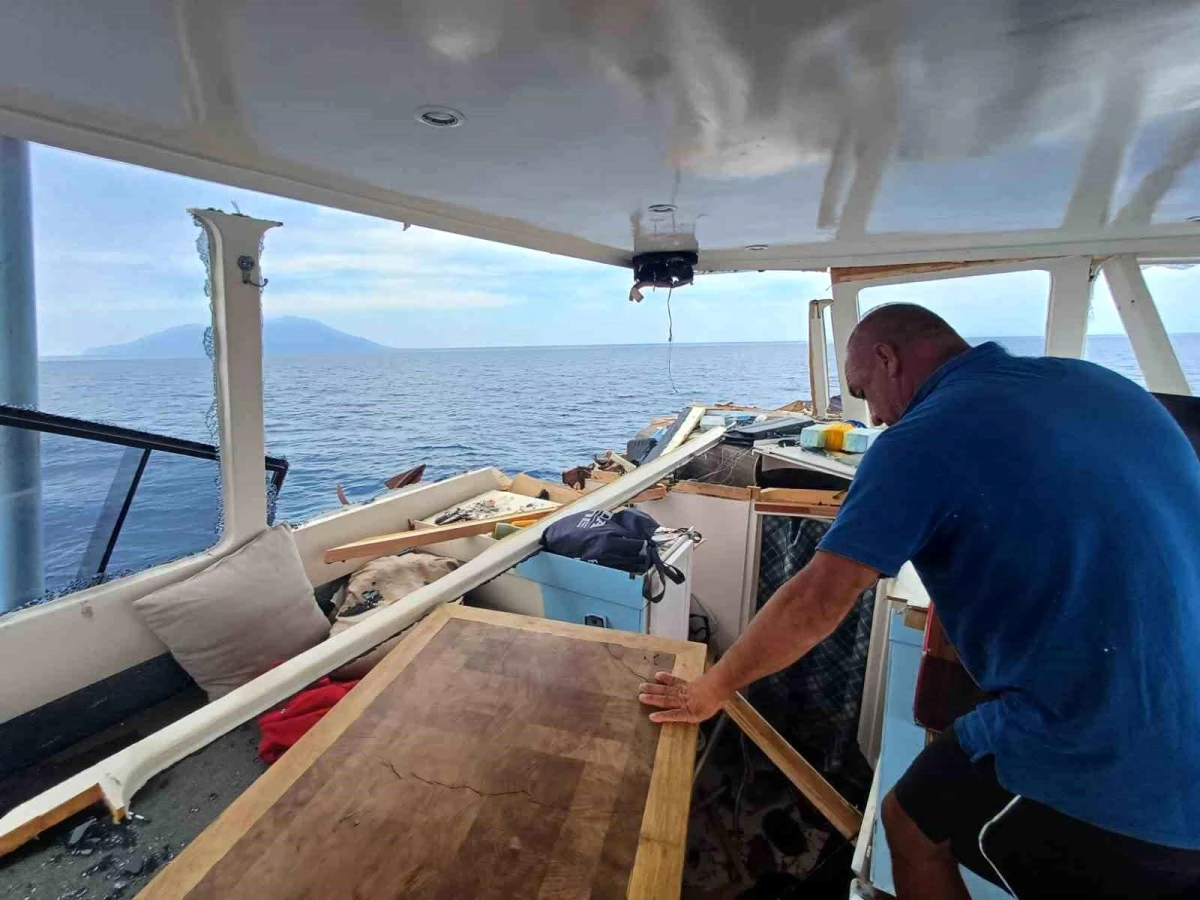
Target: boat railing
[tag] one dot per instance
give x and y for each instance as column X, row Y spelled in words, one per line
column 139, row 445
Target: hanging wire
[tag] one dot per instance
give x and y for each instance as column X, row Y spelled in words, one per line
column 670, row 342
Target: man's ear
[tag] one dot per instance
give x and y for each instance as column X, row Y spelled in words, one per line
column 888, row 357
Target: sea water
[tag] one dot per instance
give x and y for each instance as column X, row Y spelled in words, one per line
column 357, row 420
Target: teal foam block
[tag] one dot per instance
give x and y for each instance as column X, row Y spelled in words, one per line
column 859, row 440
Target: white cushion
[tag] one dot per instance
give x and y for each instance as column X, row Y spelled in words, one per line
column 234, row 620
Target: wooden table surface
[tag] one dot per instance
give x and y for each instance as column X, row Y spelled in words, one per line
column 489, row 755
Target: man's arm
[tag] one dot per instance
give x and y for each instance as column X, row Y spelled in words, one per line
column 801, row 614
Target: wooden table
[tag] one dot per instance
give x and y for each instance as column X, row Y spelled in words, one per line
column 489, row 755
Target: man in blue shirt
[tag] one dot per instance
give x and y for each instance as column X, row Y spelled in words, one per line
column 1052, row 509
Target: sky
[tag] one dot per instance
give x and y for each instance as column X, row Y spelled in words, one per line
column 115, row 259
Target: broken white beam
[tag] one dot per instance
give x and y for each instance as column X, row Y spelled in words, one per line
column 116, row 779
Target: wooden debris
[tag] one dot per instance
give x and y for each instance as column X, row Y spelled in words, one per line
column 383, row 544
column 117, row 778
column 620, row 462
column 404, row 479
column 341, row 495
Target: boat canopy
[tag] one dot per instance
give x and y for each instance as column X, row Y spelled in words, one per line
column 781, row 134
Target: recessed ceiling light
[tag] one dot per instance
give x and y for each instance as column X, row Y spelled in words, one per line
column 756, row 248
column 661, row 207
column 440, row 116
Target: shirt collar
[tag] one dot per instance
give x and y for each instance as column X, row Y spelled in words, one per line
column 966, row 359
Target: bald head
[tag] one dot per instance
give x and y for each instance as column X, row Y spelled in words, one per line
column 891, row 353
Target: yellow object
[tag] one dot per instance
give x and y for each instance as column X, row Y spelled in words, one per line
column 835, row 435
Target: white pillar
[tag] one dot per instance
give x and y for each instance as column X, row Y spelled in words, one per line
column 845, row 317
column 1070, row 301
column 818, row 357
column 1151, row 344
column 20, row 449
column 237, row 344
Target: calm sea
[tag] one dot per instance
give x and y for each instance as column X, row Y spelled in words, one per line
column 355, row 421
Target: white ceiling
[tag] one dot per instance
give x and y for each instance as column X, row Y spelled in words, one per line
column 827, row 130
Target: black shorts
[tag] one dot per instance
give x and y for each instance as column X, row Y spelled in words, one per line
column 1026, row 846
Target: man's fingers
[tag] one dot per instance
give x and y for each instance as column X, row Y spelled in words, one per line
column 672, row 715
column 647, row 688
column 662, row 701
column 668, row 678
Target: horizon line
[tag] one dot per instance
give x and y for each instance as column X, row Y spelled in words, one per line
column 387, row 348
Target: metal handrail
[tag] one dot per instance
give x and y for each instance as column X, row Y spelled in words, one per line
column 146, row 441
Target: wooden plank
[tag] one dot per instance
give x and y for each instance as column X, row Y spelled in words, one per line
column 383, row 544
column 801, row 496
column 662, row 843
column 832, row 805
column 603, row 475
column 621, row 462
column 723, row 491
column 489, row 755
column 73, row 800
column 796, row 509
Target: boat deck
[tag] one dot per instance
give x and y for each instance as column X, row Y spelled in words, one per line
column 89, row 857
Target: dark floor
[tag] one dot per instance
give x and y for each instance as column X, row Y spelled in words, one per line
column 752, row 836
column 89, row 857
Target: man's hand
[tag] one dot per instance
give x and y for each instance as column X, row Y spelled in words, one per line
column 682, row 701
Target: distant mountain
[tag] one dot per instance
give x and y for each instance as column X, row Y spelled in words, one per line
column 282, row 336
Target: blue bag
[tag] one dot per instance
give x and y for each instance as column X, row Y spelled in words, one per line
column 621, row 540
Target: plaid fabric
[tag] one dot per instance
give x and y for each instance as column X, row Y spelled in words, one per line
column 814, row 703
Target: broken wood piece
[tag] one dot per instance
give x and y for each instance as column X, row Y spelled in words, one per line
column 384, row 544
column 115, row 779
column 655, row 493
column 404, row 479
column 819, row 792
column 603, row 475
column 621, row 462
column 341, row 495
column 722, row 491
column 480, row 771
column 801, row 496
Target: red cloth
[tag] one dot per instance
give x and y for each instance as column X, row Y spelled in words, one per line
column 284, row 726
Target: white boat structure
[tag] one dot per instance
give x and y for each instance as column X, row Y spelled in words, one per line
column 890, row 142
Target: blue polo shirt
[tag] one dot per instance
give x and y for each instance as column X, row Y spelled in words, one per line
column 1052, row 509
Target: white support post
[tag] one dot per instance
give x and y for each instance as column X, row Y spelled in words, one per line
column 1070, row 301
column 845, row 317
column 818, row 357
column 237, row 344
column 1151, row 344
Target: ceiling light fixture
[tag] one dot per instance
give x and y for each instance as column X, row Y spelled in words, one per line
column 661, row 207
column 440, row 116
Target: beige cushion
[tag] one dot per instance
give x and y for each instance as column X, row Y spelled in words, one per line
column 376, row 586
column 240, row 616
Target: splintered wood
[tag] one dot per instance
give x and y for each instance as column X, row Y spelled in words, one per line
column 489, row 755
